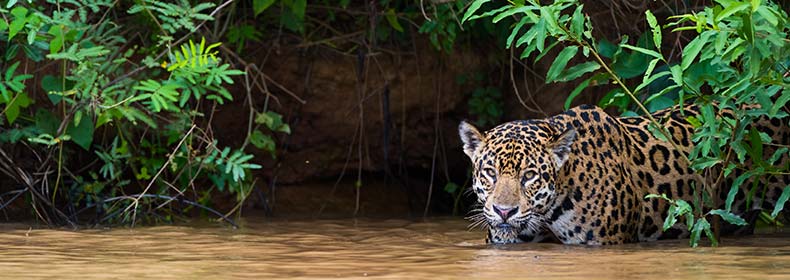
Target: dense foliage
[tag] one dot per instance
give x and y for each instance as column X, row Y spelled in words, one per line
column 122, row 124
column 737, row 61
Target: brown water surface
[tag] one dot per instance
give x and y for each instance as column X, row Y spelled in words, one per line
column 396, row 249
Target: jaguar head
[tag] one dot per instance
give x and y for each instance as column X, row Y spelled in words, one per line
column 515, row 173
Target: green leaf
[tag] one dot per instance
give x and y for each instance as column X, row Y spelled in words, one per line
column 299, row 7
column 548, row 13
column 58, row 38
column 578, row 70
column 651, row 20
column 12, row 109
column 392, row 18
column 733, row 8
column 20, row 18
column 768, row 15
column 577, row 22
column 103, row 118
column 650, row 67
column 560, row 62
column 576, row 91
column 756, row 144
column 491, row 13
column 693, row 48
column 643, row 50
column 540, row 37
column 780, row 102
column 516, row 28
column 702, row 225
column 693, row 121
column 606, row 48
column 777, row 155
column 711, row 236
column 652, row 79
column 46, row 122
column 258, row 6
column 473, row 8
column 262, row 141
column 661, row 196
column 657, row 132
column 82, row 133
column 683, row 207
column 701, row 163
column 729, row 217
column 672, row 217
column 285, row 128
column 755, row 4
column 780, row 203
column 660, row 103
column 512, row 11
column 737, row 184
column 677, row 74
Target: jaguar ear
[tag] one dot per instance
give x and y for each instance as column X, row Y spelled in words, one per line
column 471, row 137
column 561, row 146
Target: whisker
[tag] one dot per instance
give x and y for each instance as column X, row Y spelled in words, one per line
column 478, row 224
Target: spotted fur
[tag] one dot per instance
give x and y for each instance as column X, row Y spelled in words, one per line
column 581, row 177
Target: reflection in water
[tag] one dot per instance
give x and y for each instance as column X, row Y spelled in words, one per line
column 364, row 248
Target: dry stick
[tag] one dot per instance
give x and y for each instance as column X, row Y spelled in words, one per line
column 251, row 116
column 136, row 201
column 342, row 173
column 515, row 87
column 266, row 77
column 136, row 197
column 529, row 92
column 21, row 177
column 361, row 89
column 360, row 94
column 191, row 182
column 435, row 144
column 433, row 168
column 18, row 193
column 322, row 41
column 238, row 205
column 422, row 9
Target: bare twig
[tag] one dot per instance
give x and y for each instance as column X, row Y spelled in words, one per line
column 515, row 87
column 137, row 197
column 266, row 77
column 172, row 155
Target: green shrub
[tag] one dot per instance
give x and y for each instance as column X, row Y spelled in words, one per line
column 121, row 126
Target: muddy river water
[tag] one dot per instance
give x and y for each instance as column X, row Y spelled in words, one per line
column 393, row 249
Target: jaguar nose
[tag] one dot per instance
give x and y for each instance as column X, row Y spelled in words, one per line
column 505, row 212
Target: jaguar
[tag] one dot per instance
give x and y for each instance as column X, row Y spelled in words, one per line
column 582, row 176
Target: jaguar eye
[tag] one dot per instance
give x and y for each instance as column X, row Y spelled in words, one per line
column 490, row 173
column 529, row 175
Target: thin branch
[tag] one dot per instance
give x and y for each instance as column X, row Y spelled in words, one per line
column 137, row 197
column 136, row 201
